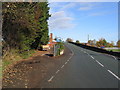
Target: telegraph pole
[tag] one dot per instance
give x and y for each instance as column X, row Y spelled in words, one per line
column 88, row 37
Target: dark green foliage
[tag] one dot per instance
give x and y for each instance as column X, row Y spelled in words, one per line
column 69, row 40
column 42, row 16
column 25, row 25
column 77, row 41
column 61, row 47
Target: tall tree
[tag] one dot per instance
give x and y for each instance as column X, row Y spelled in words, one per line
column 42, row 15
column 23, row 23
column 19, row 26
column 69, row 40
column 101, row 42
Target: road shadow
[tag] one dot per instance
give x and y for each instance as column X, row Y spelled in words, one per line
column 33, row 62
column 50, row 55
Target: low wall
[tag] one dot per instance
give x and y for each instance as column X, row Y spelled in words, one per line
column 117, row 54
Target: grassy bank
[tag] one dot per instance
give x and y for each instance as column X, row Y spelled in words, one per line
column 12, row 56
column 114, row 50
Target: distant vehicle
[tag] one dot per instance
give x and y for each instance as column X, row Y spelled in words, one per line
column 45, row 47
column 102, row 47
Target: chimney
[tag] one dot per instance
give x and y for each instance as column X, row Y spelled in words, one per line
column 51, row 37
column 30, row 1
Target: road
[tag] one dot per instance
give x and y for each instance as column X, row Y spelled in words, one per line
column 85, row 69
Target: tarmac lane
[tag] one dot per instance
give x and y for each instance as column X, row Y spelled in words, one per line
column 85, row 69
column 76, row 68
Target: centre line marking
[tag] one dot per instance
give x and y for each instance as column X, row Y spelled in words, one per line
column 100, row 63
column 62, row 66
column 92, row 57
column 87, row 53
column 50, row 79
column 57, row 71
column 65, row 62
column 70, row 57
column 113, row 74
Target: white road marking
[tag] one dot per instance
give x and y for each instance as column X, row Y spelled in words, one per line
column 65, row 62
column 87, row 53
column 42, row 55
column 99, row 63
column 57, row 71
column 111, row 56
column 113, row 74
column 50, row 79
column 62, row 66
column 92, row 57
column 84, row 52
column 68, row 60
column 114, row 57
column 71, row 56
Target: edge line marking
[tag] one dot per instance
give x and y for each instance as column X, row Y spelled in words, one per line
column 113, row 74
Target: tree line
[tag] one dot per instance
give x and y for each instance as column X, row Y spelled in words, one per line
column 101, row 42
column 25, row 25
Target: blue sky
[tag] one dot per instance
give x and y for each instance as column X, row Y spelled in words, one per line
column 77, row 20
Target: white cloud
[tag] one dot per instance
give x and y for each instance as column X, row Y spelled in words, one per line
column 97, row 14
column 58, row 15
column 100, row 13
column 60, row 20
column 83, row 0
column 62, row 6
column 69, row 5
column 87, row 5
column 85, row 8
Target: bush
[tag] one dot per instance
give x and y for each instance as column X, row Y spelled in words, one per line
column 9, row 57
column 77, row 41
column 61, row 47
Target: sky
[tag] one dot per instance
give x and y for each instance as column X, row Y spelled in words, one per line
column 77, row 20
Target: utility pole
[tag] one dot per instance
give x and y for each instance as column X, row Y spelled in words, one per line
column 88, row 37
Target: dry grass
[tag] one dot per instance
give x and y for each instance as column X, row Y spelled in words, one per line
column 10, row 57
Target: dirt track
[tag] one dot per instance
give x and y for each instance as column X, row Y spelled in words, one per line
column 31, row 73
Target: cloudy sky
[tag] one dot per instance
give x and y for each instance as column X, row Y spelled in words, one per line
column 77, row 20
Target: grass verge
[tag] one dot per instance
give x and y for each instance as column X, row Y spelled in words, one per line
column 12, row 56
column 114, row 50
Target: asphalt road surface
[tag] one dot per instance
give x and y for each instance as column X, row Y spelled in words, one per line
column 85, row 69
